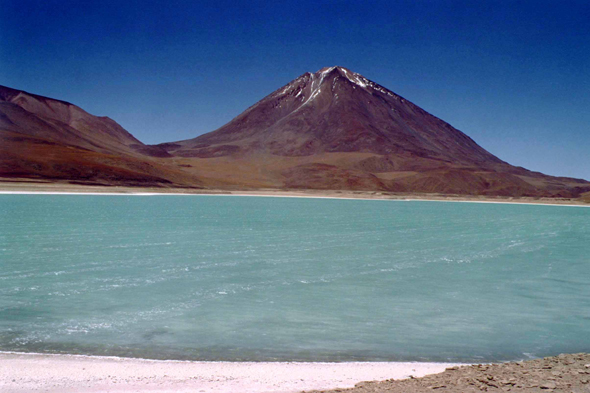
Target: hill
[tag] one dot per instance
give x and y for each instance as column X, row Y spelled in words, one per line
column 44, row 138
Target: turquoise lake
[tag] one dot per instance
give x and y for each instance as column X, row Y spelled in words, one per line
column 280, row 279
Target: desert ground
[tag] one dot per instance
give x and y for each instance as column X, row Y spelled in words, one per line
column 42, row 186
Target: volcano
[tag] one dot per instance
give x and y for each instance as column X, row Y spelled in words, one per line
column 336, row 129
column 329, row 130
column 336, row 110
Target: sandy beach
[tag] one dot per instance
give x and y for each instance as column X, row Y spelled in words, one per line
column 20, row 372
column 72, row 373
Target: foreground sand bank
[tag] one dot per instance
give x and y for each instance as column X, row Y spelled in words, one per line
column 15, row 187
column 69, row 373
column 21, row 372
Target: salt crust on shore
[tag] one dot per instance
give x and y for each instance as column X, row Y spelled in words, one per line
column 292, row 195
column 23, row 372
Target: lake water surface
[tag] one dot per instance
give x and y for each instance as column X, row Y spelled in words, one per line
column 252, row 278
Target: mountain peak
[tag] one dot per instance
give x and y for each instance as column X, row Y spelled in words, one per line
column 326, row 84
column 327, row 70
column 341, row 74
column 336, row 110
column 8, row 94
column 342, row 71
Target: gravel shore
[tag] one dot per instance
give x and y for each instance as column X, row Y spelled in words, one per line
column 563, row 373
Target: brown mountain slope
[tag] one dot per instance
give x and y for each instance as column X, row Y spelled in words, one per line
column 50, row 139
column 335, row 129
column 68, row 124
column 336, row 110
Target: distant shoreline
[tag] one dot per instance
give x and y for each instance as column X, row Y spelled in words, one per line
column 69, row 189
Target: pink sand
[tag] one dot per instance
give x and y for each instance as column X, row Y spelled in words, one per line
column 70, row 373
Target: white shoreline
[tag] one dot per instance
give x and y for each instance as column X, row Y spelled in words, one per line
column 25, row 372
column 270, row 195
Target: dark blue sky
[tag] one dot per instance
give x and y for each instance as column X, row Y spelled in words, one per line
column 513, row 75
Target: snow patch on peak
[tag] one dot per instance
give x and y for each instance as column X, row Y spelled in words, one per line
column 359, row 80
column 327, row 70
column 313, row 83
column 316, row 86
column 363, row 82
column 356, row 78
column 285, row 89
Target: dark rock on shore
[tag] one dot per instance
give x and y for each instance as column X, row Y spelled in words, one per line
column 563, row 373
